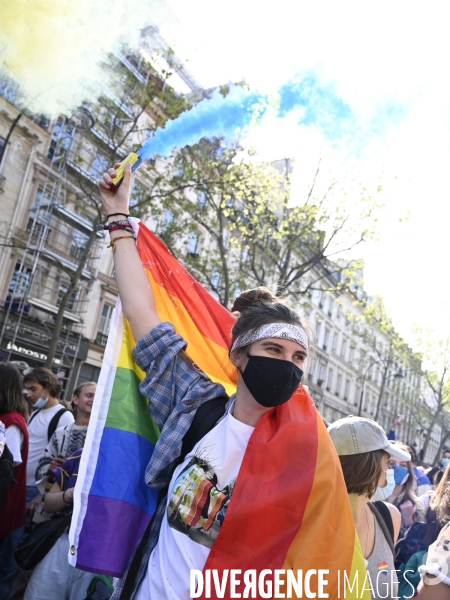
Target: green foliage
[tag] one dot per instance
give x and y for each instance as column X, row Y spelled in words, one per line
column 253, row 231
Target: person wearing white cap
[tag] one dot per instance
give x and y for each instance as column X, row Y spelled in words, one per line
column 403, row 496
column 364, row 452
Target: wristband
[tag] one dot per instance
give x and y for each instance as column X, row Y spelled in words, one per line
column 116, row 214
column 64, row 498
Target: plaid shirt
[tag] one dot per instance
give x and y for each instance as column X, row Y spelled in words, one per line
column 176, row 387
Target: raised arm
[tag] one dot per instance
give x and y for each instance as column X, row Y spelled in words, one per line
column 134, row 288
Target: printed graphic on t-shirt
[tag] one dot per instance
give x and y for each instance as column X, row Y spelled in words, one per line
column 197, row 507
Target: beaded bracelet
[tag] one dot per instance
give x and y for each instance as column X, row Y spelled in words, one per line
column 112, row 243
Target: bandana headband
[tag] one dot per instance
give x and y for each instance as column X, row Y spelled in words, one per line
column 285, row 331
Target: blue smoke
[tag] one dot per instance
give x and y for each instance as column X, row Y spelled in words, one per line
column 320, row 104
column 317, row 102
column 218, row 116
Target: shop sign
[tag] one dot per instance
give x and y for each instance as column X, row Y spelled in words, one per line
column 31, row 353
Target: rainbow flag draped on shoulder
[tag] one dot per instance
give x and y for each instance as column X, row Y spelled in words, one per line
column 289, row 508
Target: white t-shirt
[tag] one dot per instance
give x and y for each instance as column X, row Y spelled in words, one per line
column 199, row 493
column 37, row 433
column 14, row 441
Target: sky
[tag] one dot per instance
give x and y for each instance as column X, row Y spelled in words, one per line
column 386, row 61
column 361, row 86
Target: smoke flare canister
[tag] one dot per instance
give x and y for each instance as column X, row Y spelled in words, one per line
column 134, row 160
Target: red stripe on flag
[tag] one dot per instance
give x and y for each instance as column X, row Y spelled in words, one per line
column 271, row 492
column 211, row 319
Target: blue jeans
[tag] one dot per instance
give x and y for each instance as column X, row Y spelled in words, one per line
column 8, row 565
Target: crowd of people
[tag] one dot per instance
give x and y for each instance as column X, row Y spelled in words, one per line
column 42, row 438
column 401, row 512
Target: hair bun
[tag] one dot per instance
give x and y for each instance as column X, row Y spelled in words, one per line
column 249, row 297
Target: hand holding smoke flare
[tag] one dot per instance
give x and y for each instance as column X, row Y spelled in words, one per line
column 317, row 103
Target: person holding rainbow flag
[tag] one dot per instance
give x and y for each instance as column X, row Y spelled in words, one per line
column 262, row 492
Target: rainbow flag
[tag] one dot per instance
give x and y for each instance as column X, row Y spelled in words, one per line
column 289, row 510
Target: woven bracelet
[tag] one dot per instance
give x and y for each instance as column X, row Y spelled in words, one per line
column 115, row 227
column 107, row 226
column 112, row 243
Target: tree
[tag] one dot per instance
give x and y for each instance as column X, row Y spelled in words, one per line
column 437, row 386
column 254, row 232
column 139, row 101
column 207, row 191
column 397, row 365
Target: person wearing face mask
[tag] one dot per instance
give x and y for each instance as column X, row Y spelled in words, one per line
column 403, row 495
column 445, row 462
column 199, row 490
column 364, row 452
column 48, row 414
column 436, row 570
column 13, row 415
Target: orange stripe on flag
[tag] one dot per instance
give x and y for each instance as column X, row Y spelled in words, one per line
column 327, row 537
column 211, row 357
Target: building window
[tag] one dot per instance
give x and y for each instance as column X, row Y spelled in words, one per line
column 99, row 165
column 351, row 356
column 343, row 349
column 335, row 341
column 105, row 321
column 337, row 390
column 79, row 242
column 318, row 324
column 326, row 339
column 72, row 298
column 331, row 307
column 192, row 246
column 62, row 135
column 167, row 219
column 357, row 396
column 201, row 200
column 19, row 280
column 39, row 229
column 225, row 238
column 321, row 375
column 216, row 278
column 88, row 373
column 137, row 195
column 321, row 299
column 346, row 389
column 330, row 379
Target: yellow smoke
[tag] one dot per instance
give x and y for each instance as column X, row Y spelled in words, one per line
column 54, row 48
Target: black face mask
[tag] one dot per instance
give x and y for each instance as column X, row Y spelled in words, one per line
column 271, row 381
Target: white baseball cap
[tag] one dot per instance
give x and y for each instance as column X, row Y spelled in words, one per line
column 355, row 435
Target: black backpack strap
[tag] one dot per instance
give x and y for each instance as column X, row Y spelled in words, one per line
column 204, row 420
column 33, row 414
column 384, row 518
column 54, row 422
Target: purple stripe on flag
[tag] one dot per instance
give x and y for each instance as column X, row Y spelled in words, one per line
column 111, row 530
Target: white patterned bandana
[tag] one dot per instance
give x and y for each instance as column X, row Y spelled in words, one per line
column 285, row 331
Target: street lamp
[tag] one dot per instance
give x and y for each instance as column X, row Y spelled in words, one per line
column 398, row 375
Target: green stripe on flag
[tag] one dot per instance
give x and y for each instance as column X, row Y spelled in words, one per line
column 128, row 409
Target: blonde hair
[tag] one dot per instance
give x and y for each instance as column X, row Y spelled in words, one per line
column 440, row 500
